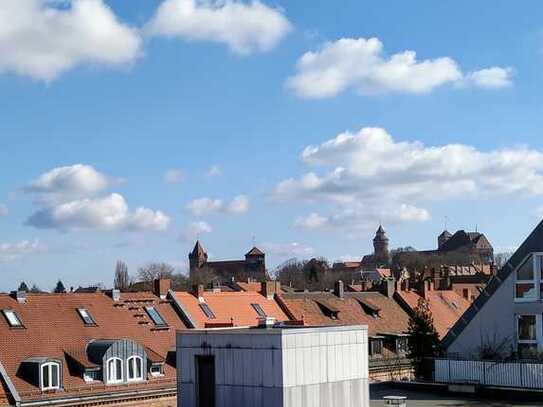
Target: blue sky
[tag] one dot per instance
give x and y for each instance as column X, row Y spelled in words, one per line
column 92, row 123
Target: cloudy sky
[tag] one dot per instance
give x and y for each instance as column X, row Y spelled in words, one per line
column 129, row 129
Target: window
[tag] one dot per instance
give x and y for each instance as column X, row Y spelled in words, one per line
column 527, row 277
column 50, row 376
column 376, row 347
column 401, row 345
column 156, row 370
column 527, row 336
column 135, row 368
column 114, row 370
column 155, row 316
column 465, row 293
column 328, row 310
column 259, row 310
column 86, row 316
column 12, row 318
column 205, row 308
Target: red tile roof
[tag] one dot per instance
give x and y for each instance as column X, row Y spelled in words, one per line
column 230, row 307
column 353, row 309
column 54, row 329
column 250, row 286
column 446, row 307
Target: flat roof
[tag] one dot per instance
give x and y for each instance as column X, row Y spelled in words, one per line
column 288, row 330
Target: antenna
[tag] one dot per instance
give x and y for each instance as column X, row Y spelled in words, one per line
column 445, row 222
column 254, row 240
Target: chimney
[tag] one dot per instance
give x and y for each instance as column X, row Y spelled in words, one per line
column 388, row 287
column 427, row 287
column 339, row 289
column 216, row 286
column 115, row 295
column 20, row 296
column 404, row 285
column 161, row 287
column 198, row 292
column 266, row 322
column 270, row 288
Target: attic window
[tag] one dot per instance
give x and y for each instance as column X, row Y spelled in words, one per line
column 12, row 318
column 328, row 310
column 205, row 308
column 259, row 310
column 50, row 376
column 370, row 309
column 155, row 316
column 86, row 317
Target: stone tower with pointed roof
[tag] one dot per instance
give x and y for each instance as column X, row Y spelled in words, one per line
column 380, row 247
column 442, row 238
column 198, row 256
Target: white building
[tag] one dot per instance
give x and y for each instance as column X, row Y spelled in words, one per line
column 273, row 367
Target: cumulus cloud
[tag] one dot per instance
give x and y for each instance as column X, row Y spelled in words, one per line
column 288, row 250
column 369, row 176
column 194, row 230
column 3, row 210
column 107, row 213
column 491, row 78
column 40, row 40
column 173, row 176
column 75, row 180
column 12, row 251
column 361, row 64
column 203, row 206
column 245, row 27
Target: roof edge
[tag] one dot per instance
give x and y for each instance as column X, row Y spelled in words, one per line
column 10, row 385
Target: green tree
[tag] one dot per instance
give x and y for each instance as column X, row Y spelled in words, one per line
column 23, row 287
column 424, row 339
column 59, row 289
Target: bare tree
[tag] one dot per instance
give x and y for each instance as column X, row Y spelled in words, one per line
column 122, row 279
column 500, row 259
column 152, row 271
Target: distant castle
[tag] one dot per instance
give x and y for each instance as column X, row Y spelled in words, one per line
column 253, row 267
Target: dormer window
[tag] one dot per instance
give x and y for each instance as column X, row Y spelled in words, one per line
column 12, row 318
column 50, row 376
column 155, row 316
column 328, row 310
column 135, row 368
column 86, row 317
column 114, row 370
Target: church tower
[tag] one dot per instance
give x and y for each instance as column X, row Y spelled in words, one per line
column 380, row 247
column 197, row 258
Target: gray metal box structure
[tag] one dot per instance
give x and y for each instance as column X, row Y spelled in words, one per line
column 274, row 367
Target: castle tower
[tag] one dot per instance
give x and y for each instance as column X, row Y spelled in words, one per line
column 380, row 247
column 197, row 258
column 442, row 238
column 255, row 262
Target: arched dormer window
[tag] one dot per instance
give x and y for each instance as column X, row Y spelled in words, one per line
column 134, row 368
column 50, row 376
column 114, row 370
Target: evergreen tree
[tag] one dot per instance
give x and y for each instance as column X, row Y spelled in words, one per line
column 59, row 289
column 424, row 339
column 23, row 287
column 35, row 289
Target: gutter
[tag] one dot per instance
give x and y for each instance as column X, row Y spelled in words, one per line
column 10, row 385
column 181, row 310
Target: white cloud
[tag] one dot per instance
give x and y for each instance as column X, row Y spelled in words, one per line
column 491, row 78
column 194, row 231
column 41, row 40
column 288, row 250
column 173, row 176
column 107, row 213
column 246, row 27
column 238, row 205
column 369, row 176
column 75, row 180
column 3, row 210
column 361, row 64
column 12, row 251
column 214, row 171
column 203, row 206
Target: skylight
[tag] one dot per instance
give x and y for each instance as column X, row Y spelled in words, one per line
column 86, row 316
column 259, row 310
column 12, row 318
column 205, row 308
column 155, row 316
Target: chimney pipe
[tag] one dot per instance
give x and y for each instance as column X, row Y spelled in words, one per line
column 198, row 292
column 270, row 288
column 116, row 295
column 339, row 289
column 161, row 287
column 20, row 296
column 388, row 287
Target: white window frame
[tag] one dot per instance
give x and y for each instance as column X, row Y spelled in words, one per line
column 156, row 374
column 49, row 385
column 135, row 378
column 117, row 379
column 13, row 319
column 538, row 331
column 537, row 259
